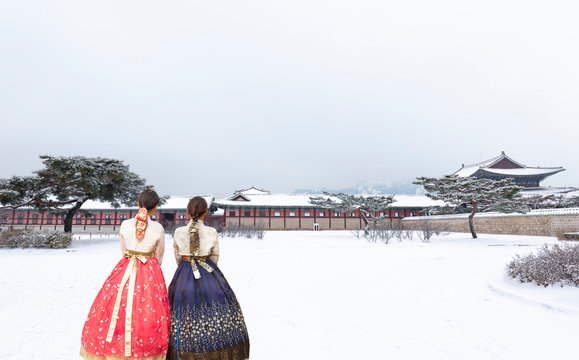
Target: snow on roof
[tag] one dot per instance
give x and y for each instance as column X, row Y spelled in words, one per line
column 174, row 202
column 469, row 170
column 524, row 171
column 267, row 200
column 253, row 191
column 281, row 200
column 180, row 202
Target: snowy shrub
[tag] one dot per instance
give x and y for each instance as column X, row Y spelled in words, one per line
column 380, row 232
column 407, row 234
column 38, row 239
column 551, row 265
column 398, row 234
column 249, row 232
column 425, row 232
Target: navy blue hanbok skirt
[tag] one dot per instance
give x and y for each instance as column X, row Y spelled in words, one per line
column 206, row 319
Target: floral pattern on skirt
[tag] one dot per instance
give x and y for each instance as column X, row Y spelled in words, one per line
column 206, row 320
column 150, row 316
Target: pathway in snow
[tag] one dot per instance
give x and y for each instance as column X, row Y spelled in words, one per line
column 316, row 296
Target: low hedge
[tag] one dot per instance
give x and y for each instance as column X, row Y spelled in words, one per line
column 25, row 238
column 555, row 264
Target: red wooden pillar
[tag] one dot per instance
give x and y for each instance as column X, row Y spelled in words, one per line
column 115, row 223
column 330, row 219
column 27, row 219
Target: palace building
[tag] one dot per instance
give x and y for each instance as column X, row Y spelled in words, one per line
column 257, row 207
column 502, row 167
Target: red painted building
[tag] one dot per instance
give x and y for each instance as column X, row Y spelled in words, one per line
column 257, row 207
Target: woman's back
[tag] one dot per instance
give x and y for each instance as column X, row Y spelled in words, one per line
column 206, row 319
column 208, row 241
column 153, row 240
column 129, row 318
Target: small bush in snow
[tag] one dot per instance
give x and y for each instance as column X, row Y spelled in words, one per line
column 551, row 265
column 425, row 232
column 38, row 239
column 244, row 231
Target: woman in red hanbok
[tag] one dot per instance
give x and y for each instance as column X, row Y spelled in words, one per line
column 130, row 316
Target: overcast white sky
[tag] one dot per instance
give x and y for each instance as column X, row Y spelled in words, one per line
column 213, row 96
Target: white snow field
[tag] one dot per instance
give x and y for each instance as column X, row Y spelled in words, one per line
column 319, row 295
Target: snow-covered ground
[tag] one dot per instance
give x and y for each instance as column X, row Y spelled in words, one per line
column 324, row 295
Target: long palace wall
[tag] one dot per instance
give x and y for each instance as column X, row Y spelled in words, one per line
column 293, row 223
column 552, row 222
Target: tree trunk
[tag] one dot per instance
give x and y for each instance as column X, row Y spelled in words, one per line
column 470, row 219
column 366, row 224
column 70, row 216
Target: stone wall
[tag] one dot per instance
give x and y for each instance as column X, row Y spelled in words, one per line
column 553, row 222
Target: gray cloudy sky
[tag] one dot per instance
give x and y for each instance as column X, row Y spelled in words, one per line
column 213, row 96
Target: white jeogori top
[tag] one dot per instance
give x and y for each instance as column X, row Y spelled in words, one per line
column 153, row 241
column 208, row 242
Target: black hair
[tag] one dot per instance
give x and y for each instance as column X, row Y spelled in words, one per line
column 149, row 199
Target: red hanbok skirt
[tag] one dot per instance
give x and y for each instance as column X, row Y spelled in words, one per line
column 150, row 319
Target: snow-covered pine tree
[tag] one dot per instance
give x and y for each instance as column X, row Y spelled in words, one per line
column 475, row 193
column 66, row 183
column 572, row 201
column 341, row 203
column 538, row 201
column 551, row 201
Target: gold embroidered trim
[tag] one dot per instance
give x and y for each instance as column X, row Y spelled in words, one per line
column 86, row 355
column 238, row 352
column 130, row 275
column 197, row 260
column 130, row 253
column 199, row 257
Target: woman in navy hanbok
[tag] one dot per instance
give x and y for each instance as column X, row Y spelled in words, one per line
column 206, row 319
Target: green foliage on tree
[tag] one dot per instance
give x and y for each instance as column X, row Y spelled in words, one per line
column 341, row 203
column 474, row 194
column 66, row 183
